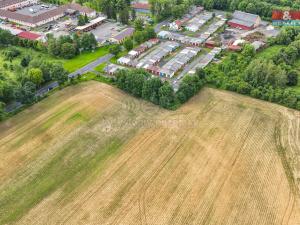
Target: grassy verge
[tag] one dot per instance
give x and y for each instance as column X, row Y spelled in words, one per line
column 92, row 76
column 100, row 67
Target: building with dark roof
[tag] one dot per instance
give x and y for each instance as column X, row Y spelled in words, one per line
column 120, row 37
column 245, row 21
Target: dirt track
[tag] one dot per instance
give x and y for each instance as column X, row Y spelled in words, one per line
column 220, row 159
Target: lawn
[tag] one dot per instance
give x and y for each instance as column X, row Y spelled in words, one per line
column 85, row 58
column 268, row 53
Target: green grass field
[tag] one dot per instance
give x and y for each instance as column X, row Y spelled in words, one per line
column 85, row 58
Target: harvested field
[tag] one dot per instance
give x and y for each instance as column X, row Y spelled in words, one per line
column 91, row 154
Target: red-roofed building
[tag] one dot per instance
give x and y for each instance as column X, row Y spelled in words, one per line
column 235, row 48
column 210, row 44
column 141, row 7
column 29, row 35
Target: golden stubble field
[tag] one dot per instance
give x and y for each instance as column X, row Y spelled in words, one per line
column 91, row 154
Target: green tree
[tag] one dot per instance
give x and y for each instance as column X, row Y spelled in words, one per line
column 124, row 15
column 88, row 41
column 81, row 20
column 150, row 90
column 189, row 86
column 68, row 50
column 58, row 73
column 2, row 111
column 26, row 94
column 53, row 47
column 86, row 19
column 166, row 96
column 150, row 32
column 292, row 78
column 45, row 66
column 139, row 37
column 25, row 61
column 128, row 44
column 139, row 24
column 115, row 50
column 35, row 75
column 248, row 51
column 262, row 72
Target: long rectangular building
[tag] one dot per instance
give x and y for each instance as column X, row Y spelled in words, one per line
column 245, row 21
column 45, row 17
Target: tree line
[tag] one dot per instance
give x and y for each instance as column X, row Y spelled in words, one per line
column 69, row 46
column 176, row 9
column 269, row 79
column 263, row 7
column 163, row 9
column 143, row 85
column 119, row 10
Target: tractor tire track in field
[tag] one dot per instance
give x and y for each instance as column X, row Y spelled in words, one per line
column 150, row 180
column 115, row 171
column 294, row 191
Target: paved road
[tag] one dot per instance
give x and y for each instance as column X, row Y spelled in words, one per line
column 44, row 90
column 91, row 66
column 82, row 70
column 158, row 26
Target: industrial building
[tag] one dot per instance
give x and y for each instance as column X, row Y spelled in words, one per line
column 8, row 12
column 245, row 21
